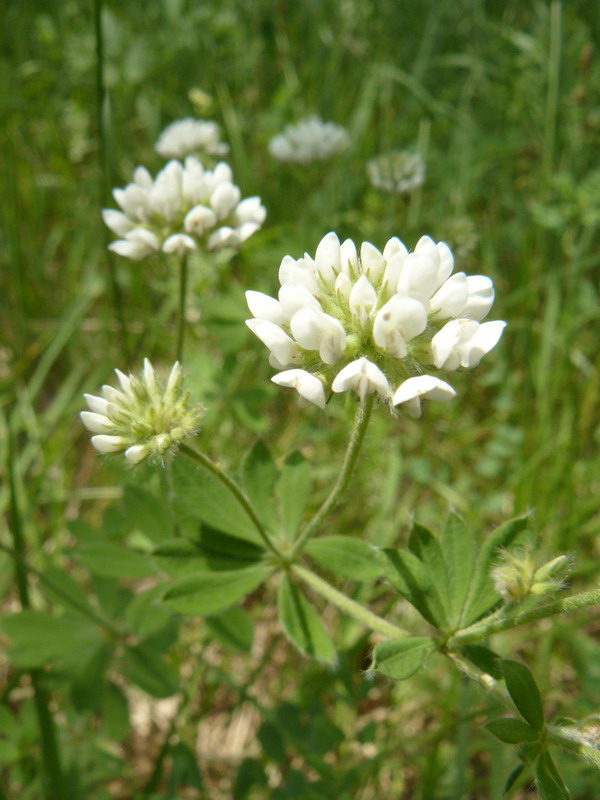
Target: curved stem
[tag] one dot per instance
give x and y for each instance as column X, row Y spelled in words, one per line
column 349, row 606
column 361, row 422
column 183, row 283
column 486, row 627
column 233, row 489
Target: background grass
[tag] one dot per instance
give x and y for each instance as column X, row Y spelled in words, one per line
column 502, row 101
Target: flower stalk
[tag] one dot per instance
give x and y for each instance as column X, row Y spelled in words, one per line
column 183, row 283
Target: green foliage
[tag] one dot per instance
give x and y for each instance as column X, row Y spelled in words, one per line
column 524, row 692
column 352, row 558
column 399, row 659
column 302, row 624
column 511, row 731
column 206, row 593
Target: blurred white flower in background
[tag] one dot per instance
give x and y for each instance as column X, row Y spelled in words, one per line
column 399, row 171
column 308, row 140
column 142, row 418
column 191, row 137
column 374, row 322
column 185, row 206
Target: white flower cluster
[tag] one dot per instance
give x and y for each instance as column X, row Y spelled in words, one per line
column 142, row 418
column 191, row 136
column 374, row 321
column 400, row 171
column 185, row 206
column 309, row 140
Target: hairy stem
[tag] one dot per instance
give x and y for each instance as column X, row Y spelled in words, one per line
column 183, row 283
column 234, row 490
column 487, row 627
column 349, row 606
column 361, row 422
column 491, row 685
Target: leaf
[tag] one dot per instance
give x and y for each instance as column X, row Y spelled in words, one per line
column 207, row 593
column 482, row 595
column 514, row 775
column 401, row 658
column 37, row 637
column 425, row 546
column 145, row 667
column 87, row 689
column 293, row 491
column 147, row 513
column 199, row 495
column 184, row 769
column 302, row 623
column 524, row 692
column 111, row 560
column 484, row 658
column 411, row 578
column 549, row 781
column 145, row 614
column 259, row 475
column 115, row 711
column 233, row 628
column 60, row 586
column 459, row 548
column 215, row 551
column 345, row 555
column 511, row 731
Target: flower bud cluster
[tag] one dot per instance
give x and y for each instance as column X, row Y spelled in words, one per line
column 373, row 321
column 516, row 576
column 399, row 171
column 142, row 418
column 309, row 140
column 185, row 206
column 191, row 137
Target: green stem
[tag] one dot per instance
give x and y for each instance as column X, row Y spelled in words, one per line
column 349, row 606
column 491, row 685
column 183, row 283
column 485, row 628
column 55, row 787
column 361, row 422
column 233, row 489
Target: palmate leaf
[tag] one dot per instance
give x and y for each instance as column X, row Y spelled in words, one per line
column 345, row 555
column 207, row 593
column 259, row 475
column 413, row 580
column 401, row 658
column 293, row 492
column 201, row 496
column 302, row 623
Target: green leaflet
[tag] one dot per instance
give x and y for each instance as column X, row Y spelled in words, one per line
column 199, row 495
column 459, row 548
column 549, row 781
column 511, row 731
column 345, row 555
column 233, row 628
column 302, row 623
column 413, row 580
column 293, row 492
column 259, row 474
column 524, row 692
column 401, row 658
column 207, row 593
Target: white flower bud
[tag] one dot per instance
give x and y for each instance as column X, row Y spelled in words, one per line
column 308, row 386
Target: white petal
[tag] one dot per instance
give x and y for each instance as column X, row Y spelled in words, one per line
column 246, row 230
column 179, row 243
column 96, row 423
column 224, row 199
column 294, row 296
column 397, row 322
column 264, row 307
column 109, row 444
column 483, row 340
column 348, row 258
column 308, row 386
column 135, row 251
column 174, row 382
column 327, row 258
column 136, row 453
column 343, row 286
column 480, row 297
column 363, row 299
column 279, row 343
column 125, row 381
column 292, row 271
column 117, row 221
column 392, row 272
column 250, row 210
column 97, row 404
column 446, row 262
column 362, row 377
column 372, row 262
column 392, row 247
column 199, row 220
column 445, row 344
column 150, row 378
column 423, row 386
column 222, row 237
column 450, row 298
column 418, row 276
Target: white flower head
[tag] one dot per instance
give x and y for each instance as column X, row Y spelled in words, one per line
column 143, row 418
column 191, row 137
column 309, row 140
column 397, row 171
column 184, row 208
column 371, row 322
